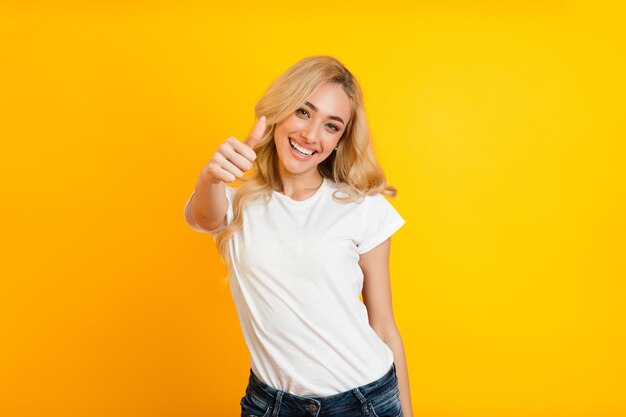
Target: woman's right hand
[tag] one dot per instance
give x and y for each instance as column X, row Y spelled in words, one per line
column 233, row 157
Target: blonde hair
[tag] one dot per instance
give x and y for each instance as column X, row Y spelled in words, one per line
column 353, row 165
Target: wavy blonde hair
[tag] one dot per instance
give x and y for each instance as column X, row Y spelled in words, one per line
column 353, row 165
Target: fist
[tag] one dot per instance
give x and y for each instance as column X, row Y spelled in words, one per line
column 233, row 157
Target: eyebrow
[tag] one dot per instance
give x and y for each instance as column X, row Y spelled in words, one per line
column 330, row 117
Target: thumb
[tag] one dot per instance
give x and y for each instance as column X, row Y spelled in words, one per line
column 257, row 132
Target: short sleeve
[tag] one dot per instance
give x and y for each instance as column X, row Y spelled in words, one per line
column 382, row 220
column 230, row 191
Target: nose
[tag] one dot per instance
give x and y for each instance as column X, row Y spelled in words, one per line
column 309, row 133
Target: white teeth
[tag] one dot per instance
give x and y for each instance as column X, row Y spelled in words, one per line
column 300, row 148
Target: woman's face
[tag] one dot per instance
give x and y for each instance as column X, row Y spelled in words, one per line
column 309, row 135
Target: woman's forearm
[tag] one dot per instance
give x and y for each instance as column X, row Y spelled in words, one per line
column 209, row 204
column 394, row 342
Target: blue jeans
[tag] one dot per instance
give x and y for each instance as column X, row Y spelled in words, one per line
column 376, row 399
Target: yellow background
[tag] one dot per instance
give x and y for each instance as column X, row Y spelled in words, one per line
column 500, row 122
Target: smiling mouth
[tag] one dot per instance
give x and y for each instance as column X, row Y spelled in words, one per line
column 300, row 149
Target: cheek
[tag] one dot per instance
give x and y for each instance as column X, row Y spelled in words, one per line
column 280, row 131
column 332, row 141
column 293, row 123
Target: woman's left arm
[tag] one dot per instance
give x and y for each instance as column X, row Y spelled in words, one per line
column 377, row 299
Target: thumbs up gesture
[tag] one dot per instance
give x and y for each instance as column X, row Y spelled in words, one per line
column 233, row 157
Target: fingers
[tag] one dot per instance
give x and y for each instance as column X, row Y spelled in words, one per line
column 228, row 166
column 231, row 160
column 240, row 148
column 257, row 133
column 219, row 169
column 218, row 174
column 233, row 157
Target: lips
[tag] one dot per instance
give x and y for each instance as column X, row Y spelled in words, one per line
column 302, row 150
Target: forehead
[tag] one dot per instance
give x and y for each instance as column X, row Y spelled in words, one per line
column 331, row 100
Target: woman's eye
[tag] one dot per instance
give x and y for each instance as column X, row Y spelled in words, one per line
column 303, row 112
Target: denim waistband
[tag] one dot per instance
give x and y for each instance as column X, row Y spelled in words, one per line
column 358, row 396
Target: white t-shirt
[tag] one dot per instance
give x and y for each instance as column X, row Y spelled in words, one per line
column 295, row 281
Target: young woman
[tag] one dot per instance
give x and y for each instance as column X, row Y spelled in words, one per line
column 303, row 236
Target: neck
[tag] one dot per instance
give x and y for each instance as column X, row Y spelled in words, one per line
column 296, row 184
